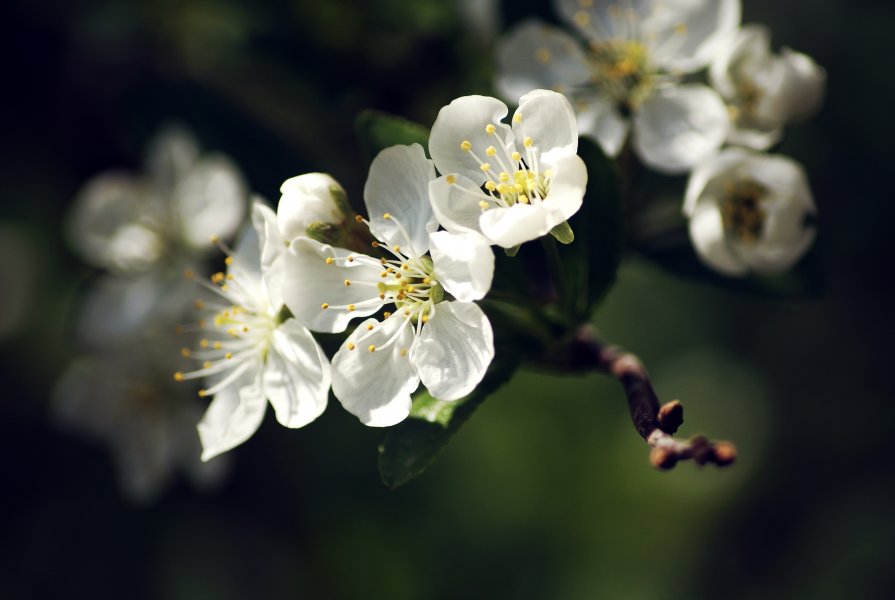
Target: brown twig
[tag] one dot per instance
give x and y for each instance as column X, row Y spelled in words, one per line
column 655, row 424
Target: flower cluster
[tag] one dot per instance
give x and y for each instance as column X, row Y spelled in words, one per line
column 637, row 73
column 427, row 261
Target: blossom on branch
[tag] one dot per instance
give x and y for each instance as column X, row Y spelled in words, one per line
column 433, row 333
column 748, row 212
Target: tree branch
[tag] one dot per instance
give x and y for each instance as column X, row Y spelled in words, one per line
column 655, row 424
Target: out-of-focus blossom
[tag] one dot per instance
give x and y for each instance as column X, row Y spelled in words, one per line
column 436, row 333
column 630, row 73
column 131, row 223
column 250, row 353
column 764, row 90
column 312, row 205
column 748, row 212
column 510, row 184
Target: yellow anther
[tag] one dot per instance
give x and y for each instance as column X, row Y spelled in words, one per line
column 369, row 327
column 350, row 259
column 382, row 296
column 228, row 261
column 245, row 328
column 350, row 346
column 523, row 199
column 204, row 343
column 374, row 244
column 397, row 248
column 217, row 278
column 199, row 304
column 214, row 239
column 427, row 280
column 351, row 308
column 201, row 324
column 680, row 29
column 185, row 352
column 519, row 188
column 542, row 55
column 528, row 142
column 406, row 312
column 371, row 348
column 465, row 146
column 358, row 218
column 490, row 186
column 330, row 260
column 217, row 345
column 228, row 356
column 225, row 287
column 425, row 318
column 202, row 393
column 403, row 351
column 483, row 205
column 516, row 156
column 451, row 179
column 324, row 306
column 490, row 129
column 188, row 274
column 517, row 118
column 504, row 176
column 232, row 332
column 491, row 151
column 387, row 216
column 410, row 289
column 386, row 315
column 178, row 376
column 397, row 276
column 347, row 282
column 485, row 167
column 383, row 274
column 206, row 364
column 382, row 261
column 405, row 266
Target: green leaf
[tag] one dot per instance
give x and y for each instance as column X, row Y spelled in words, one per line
column 378, row 130
column 592, row 261
column 410, row 447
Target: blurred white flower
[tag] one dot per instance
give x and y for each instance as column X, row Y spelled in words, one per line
column 250, row 353
column 435, row 334
column 764, row 90
column 637, row 53
column 131, row 223
column 510, row 184
column 123, row 399
column 748, row 212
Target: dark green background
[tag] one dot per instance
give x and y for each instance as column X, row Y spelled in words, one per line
column 546, row 493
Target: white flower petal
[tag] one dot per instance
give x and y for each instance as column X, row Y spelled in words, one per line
column 308, row 199
column 456, row 205
column 602, row 20
column 680, row 127
column 454, row 350
column 296, row 376
column 273, row 252
column 398, row 184
column 465, row 119
column 684, row 35
column 747, row 50
column 709, row 171
column 170, row 156
column 310, row 282
column 771, row 257
column 710, row 241
column 549, row 120
column 376, row 386
column 534, row 55
column 568, row 182
column 805, row 84
column 599, row 120
column 210, row 200
column 514, row 225
column 233, row 416
column 464, row 264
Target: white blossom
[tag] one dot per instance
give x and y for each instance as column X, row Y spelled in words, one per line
column 308, row 201
column 763, row 90
column 511, row 184
column 250, row 353
column 433, row 333
column 748, row 212
column 130, row 223
column 629, row 75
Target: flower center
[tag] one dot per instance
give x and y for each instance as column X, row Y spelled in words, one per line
column 236, row 329
column 512, row 177
column 741, row 210
column 622, row 71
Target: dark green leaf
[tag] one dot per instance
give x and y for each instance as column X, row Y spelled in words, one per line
column 592, row 261
column 410, row 447
column 377, row 131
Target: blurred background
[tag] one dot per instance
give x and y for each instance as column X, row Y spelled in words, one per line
column 546, row 492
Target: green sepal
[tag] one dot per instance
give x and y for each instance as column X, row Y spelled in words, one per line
column 378, row 130
column 325, row 233
column 512, row 250
column 410, row 447
column 563, row 233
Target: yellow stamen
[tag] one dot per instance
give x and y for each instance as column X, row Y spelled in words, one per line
column 465, row 146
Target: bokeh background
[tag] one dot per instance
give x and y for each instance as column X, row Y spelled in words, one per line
column 547, row 492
